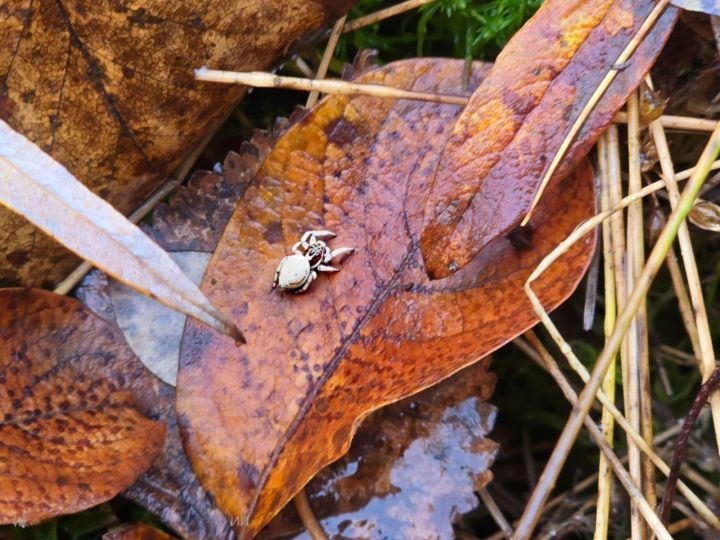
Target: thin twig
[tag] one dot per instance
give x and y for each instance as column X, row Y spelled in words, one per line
column 684, row 305
column 681, row 123
column 681, row 525
column 327, row 56
column 383, row 14
column 622, row 282
column 572, row 427
column 530, row 469
column 703, row 482
column 707, row 353
column 638, row 335
column 307, row 516
column 494, row 511
column 660, row 438
column 698, row 505
column 262, row 79
column 594, row 98
column 602, row 513
column 684, row 175
column 303, row 67
column 591, row 292
column 707, row 390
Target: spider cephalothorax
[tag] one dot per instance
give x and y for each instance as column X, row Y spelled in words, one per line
column 309, row 256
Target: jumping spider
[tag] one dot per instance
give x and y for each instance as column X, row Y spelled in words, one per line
column 310, row 256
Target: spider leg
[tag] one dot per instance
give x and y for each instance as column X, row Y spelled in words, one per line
column 340, row 251
column 301, row 244
column 310, row 279
column 277, row 277
column 317, row 234
column 327, row 268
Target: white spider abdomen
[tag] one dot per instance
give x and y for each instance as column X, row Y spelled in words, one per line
column 293, row 272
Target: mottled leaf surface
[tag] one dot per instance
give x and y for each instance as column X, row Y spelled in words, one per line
column 259, row 421
column 516, row 120
column 107, row 88
column 75, row 429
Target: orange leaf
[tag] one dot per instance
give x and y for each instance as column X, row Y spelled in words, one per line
column 515, row 122
column 74, row 399
column 259, row 421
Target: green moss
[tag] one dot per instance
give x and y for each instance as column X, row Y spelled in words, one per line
column 468, row 29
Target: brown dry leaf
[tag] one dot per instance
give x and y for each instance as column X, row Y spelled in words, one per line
column 259, row 421
column 43, row 191
column 107, row 89
column 516, row 120
column 75, row 430
column 171, row 490
column 413, row 467
column 196, row 214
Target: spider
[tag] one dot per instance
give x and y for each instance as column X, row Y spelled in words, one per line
column 310, row 255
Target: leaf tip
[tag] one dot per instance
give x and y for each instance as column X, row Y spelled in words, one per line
column 237, row 335
column 438, row 262
column 232, row 331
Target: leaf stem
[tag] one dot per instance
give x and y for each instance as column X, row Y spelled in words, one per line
column 327, row 56
column 707, row 390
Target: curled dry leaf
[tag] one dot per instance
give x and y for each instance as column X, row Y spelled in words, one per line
column 107, row 89
column 75, row 401
column 705, row 215
column 259, row 421
column 170, row 489
column 43, row 191
column 413, row 468
column 515, row 122
column 652, row 104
